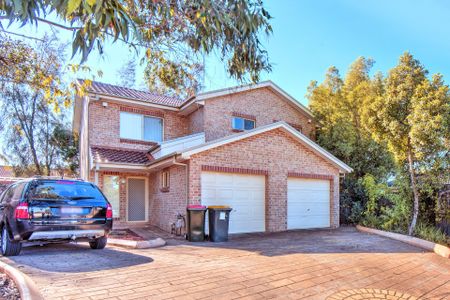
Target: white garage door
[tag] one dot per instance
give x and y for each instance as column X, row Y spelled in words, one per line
column 244, row 193
column 308, row 203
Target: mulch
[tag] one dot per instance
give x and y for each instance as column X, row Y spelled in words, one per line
column 125, row 234
column 8, row 289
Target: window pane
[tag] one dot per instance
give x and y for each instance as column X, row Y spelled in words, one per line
column 18, row 191
column 63, row 189
column 111, row 191
column 130, row 126
column 153, row 129
column 249, row 124
column 238, row 123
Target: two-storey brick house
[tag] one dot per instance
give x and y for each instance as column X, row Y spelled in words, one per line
column 251, row 147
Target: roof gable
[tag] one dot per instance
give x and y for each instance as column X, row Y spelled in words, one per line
column 244, row 88
column 259, row 130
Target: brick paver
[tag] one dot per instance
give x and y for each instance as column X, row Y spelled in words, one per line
column 320, row 264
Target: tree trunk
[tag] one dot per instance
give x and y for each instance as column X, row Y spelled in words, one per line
column 415, row 194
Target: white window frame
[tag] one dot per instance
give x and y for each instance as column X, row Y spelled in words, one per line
column 118, row 193
column 165, row 179
column 235, row 117
column 142, row 126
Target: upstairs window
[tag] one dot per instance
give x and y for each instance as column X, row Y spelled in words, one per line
column 242, row 124
column 140, row 127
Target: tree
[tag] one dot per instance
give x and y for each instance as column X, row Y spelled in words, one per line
column 32, row 96
column 36, row 69
column 338, row 106
column 66, row 145
column 126, row 75
column 175, row 34
column 412, row 118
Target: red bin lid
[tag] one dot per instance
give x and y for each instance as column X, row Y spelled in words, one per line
column 196, row 206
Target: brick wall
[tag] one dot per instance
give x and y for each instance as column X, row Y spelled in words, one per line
column 104, row 125
column 164, row 206
column 277, row 154
column 195, row 121
column 262, row 104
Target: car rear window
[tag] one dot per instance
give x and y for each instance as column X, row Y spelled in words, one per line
column 65, row 190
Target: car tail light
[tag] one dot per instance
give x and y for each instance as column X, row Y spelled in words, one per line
column 21, row 211
column 109, row 213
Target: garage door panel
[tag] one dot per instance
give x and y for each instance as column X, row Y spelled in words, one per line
column 244, row 193
column 306, row 222
column 308, row 203
column 301, row 210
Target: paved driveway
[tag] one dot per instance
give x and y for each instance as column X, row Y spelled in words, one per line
column 322, row 264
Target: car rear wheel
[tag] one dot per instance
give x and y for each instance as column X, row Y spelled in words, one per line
column 9, row 247
column 99, row 243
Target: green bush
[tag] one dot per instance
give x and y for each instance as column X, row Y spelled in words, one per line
column 352, row 200
column 430, row 233
column 387, row 207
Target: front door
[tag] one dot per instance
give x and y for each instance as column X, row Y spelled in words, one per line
column 137, row 208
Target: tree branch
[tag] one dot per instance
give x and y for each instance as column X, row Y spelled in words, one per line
column 22, row 35
column 58, row 25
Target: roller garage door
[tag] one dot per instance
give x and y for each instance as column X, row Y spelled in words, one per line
column 244, row 193
column 308, row 203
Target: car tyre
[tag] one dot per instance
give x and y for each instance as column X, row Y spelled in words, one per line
column 99, row 243
column 9, row 247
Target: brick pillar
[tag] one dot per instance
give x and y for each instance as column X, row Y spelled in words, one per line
column 334, row 209
column 276, row 201
column 195, row 172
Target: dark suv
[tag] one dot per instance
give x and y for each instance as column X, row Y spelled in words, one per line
column 51, row 210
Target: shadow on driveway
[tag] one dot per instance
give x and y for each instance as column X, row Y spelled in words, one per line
column 342, row 240
column 75, row 258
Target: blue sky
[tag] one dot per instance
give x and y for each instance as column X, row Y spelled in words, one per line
column 310, row 35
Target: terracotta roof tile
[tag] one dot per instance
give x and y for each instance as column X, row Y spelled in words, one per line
column 6, row 171
column 124, row 92
column 116, row 155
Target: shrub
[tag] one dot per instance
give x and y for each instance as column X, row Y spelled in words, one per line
column 352, row 200
column 430, row 233
column 387, row 207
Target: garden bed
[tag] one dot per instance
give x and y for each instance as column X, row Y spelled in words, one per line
column 125, row 234
column 439, row 249
column 8, row 289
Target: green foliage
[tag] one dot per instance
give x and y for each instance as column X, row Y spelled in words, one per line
column 91, row 21
column 35, row 67
column 32, row 96
column 175, row 34
column 352, row 200
column 338, row 105
column 387, row 207
column 431, row 233
column 66, row 145
column 394, row 128
column 411, row 117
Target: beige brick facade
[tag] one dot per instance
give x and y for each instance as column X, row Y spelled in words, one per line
column 165, row 205
column 262, row 105
column 104, row 129
column 279, row 155
column 274, row 154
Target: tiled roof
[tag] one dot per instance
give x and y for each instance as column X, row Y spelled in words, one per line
column 6, row 171
column 124, row 92
column 115, row 155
